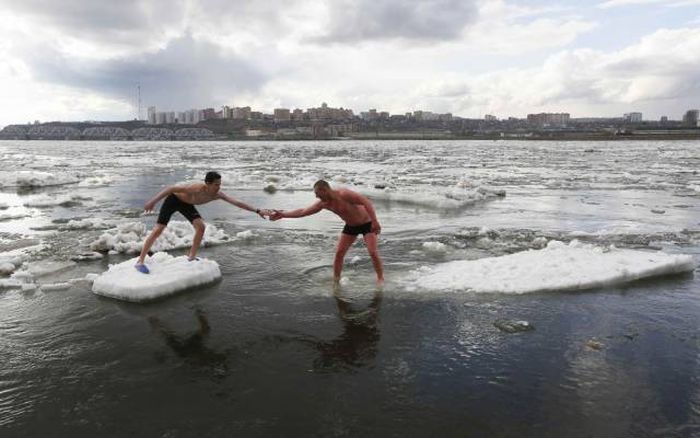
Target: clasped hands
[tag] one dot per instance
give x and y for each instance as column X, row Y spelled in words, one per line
column 273, row 215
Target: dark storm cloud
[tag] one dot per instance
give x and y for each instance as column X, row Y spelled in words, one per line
column 418, row 20
column 116, row 22
column 186, row 73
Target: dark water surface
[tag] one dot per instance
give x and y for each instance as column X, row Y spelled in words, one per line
column 273, row 350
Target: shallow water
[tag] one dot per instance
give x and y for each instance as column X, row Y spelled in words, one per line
column 272, row 350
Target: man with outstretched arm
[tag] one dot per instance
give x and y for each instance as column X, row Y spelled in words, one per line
column 359, row 216
column 183, row 198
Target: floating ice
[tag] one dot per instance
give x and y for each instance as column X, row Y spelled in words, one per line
column 128, row 238
column 453, row 197
column 6, row 268
column 86, row 256
column 168, row 275
column 7, row 216
column 44, row 267
column 96, row 181
column 4, row 206
column 55, row 286
column 434, row 247
column 85, row 224
column 246, row 235
column 559, row 266
column 30, row 179
column 46, row 201
column 10, row 283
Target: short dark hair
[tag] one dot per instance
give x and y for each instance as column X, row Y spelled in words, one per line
column 211, row 177
column 321, row 183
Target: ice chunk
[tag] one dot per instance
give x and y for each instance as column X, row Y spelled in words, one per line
column 85, row 224
column 41, row 268
column 46, row 201
column 10, row 283
column 96, row 181
column 128, row 238
column 6, row 268
column 559, row 266
column 453, row 197
column 246, row 235
column 168, row 275
column 4, row 206
column 86, row 256
column 30, row 179
column 7, row 216
column 55, row 286
column 434, row 247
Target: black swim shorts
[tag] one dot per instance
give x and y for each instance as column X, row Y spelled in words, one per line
column 172, row 204
column 354, row 230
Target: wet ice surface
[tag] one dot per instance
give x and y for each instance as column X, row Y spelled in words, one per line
column 270, row 350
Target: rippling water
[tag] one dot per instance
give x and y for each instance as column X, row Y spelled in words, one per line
column 271, row 350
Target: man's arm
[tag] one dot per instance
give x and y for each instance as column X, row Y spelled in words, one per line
column 299, row 212
column 359, row 199
column 167, row 191
column 240, row 204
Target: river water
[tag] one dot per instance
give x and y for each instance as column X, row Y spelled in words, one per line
column 273, row 350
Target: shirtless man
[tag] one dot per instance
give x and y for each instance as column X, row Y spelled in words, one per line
column 359, row 216
column 183, row 198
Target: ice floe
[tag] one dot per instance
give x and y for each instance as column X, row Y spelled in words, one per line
column 557, row 267
column 31, row 179
column 434, row 247
column 128, row 238
column 453, row 197
column 168, row 275
column 8, row 216
column 47, row 201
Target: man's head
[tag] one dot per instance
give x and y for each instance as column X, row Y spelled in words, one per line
column 213, row 181
column 323, row 190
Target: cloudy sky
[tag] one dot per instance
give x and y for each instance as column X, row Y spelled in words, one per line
column 83, row 59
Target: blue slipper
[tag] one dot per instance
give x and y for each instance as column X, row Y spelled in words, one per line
column 142, row 268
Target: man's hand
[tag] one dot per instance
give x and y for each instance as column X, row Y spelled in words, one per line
column 263, row 213
column 276, row 215
column 149, row 206
column 376, row 228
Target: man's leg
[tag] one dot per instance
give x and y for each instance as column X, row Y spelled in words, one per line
column 150, row 240
column 371, row 242
column 344, row 243
column 199, row 228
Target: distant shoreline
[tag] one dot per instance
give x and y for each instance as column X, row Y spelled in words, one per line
column 618, row 138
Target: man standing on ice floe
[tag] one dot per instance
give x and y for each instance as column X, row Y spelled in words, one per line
column 183, row 198
column 359, row 216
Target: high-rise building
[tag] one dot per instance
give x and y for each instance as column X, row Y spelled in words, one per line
column 208, row 113
column 663, row 119
column 241, row 113
column 170, row 117
column 548, row 119
column 298, row 114
column 151, row 115
column 282, row 115
column 160, row 118
column 490, row 118
column 226, row 112
column 691, row 117
column 633, row 117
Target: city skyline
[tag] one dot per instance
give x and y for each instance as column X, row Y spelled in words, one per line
column 81, row 60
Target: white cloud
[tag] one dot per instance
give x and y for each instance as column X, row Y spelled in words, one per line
column 671, row 3
column 661, row 68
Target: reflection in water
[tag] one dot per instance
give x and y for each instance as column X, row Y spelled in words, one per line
column 357, row 345
column 192, row 348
